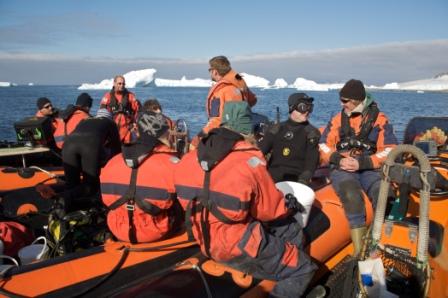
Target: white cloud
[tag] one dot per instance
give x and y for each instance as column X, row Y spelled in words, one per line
column 378, row 64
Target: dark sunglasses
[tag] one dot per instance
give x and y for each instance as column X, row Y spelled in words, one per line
column 47, row 106
column 344, row 100
column 304, row 107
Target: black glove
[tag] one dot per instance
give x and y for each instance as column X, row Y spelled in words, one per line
column 292, row 203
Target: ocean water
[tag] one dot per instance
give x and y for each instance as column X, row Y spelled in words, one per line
column 189, row 104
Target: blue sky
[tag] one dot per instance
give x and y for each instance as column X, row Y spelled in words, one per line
column 82, row 40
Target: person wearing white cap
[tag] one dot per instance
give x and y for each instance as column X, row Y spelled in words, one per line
column 94, row 141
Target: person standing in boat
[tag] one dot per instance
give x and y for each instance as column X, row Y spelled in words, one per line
column 293, row 144
column 71, row 117
column 229, row 198
column 124, row 107
column 229, row 86
column 88, row 148
column 355, row 143
column 138, row 188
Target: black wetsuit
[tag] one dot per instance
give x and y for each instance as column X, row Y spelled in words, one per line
column 85, row 151
column 294, row 151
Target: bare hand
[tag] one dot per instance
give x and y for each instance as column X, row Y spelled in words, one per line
column 349, row 164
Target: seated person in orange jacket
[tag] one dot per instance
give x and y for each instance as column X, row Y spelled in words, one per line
column 230, row 199
column 141, row 180
column 45, row 108
column 153, row 105
column 355, row 143
column 71, row 117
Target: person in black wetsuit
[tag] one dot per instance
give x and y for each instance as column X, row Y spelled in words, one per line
column 86, row 150
column 293, row 144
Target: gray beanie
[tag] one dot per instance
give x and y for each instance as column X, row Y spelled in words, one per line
column 104, row 113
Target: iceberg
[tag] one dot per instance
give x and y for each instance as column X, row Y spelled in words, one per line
column 438, row 83
column 133, row 79
column 308, row 85
column 5, row 84
column 145, row 77
column 280, row 83
column 30, row 84
column 183, row 82
column 255, row 81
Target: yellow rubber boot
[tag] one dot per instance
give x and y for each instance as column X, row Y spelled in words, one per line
column 357, row 235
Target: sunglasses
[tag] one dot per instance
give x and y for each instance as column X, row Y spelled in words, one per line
column 344, row 100
column 304, row 107
column 47, row 106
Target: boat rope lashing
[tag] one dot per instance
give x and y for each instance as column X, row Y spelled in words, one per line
column 131, row 199
column 360, row 142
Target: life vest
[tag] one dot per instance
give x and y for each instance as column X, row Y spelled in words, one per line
column 238, row 81
column 67, row 122
column 143, row 213
column 360, row 142
column 223, row 218
column 120, row 107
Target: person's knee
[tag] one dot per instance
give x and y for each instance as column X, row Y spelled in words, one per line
column 351, row 196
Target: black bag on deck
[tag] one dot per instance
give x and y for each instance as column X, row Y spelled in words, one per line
column 34, row 131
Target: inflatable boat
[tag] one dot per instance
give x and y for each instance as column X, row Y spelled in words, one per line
column 408, row 236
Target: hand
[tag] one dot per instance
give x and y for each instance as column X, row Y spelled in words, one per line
column 292, row 203
column 349, row 164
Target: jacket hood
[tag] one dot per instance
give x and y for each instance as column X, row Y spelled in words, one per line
column 216, row 146
column 135, row 154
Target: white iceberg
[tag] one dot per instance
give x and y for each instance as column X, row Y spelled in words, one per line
column 133, row 79
column 30, row 84
column 308, row 85
column 280, row 83
column 255, row 81
column 439, row 83
column 5, row 84
column 183, row 82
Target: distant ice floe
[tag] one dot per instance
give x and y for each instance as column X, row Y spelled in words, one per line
column 438, row 83
column 136, row 78
column 183, row 82
column 280, row 83
column 145, row 77
column 255, row 81
column 308, row 85
column 30, row 84
column 5, row 84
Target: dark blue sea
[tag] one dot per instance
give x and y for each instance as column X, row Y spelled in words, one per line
column 189, row 103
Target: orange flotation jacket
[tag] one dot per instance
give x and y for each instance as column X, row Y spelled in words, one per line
column 238, row 81
column 68, row 122
column 368, row 135
column 124, row 108
column 226, row 203
column 140, row 194
column 231, row 87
